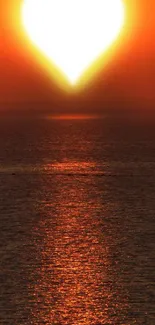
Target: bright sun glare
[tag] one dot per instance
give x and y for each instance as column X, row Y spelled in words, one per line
column 73, row 33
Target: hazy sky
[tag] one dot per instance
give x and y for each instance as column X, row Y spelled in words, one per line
column 129, row 79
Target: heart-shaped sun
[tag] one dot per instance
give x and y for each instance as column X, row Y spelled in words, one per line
column 73, row 33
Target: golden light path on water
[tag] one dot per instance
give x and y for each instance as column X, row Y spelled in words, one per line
column 72, row 34
column 74, row 284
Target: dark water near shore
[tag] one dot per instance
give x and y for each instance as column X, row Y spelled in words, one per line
column 77, row 222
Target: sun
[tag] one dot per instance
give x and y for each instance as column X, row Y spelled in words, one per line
column 72, row 34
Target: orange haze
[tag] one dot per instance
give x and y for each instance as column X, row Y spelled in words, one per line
column 128, row 80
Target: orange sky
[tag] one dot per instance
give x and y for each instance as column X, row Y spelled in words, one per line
column 129, row 79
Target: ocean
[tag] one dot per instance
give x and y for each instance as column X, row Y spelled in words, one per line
column 77, row 221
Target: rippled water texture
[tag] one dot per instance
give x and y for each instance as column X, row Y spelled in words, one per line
column 77, row 222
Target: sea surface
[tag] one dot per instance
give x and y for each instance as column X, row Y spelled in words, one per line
column 77, row 221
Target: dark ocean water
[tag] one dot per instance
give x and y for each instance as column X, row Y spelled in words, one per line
column 77, row 221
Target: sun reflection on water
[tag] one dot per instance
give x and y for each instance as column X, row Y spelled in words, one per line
column 74, row 284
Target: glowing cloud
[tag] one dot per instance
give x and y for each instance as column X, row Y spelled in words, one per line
column 73, row 33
